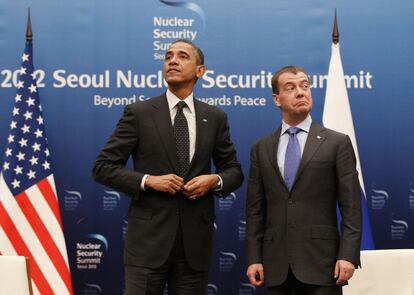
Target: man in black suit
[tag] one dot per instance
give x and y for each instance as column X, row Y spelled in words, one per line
column 298, row 176
column 173, row 140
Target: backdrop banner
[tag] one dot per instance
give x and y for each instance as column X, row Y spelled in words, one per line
column 92, row 58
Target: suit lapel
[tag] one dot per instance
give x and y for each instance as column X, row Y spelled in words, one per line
column 162, row 120
column 313, row 142
column 202, row 129
column 271, row 147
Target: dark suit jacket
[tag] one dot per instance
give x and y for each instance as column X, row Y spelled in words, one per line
column 145, row 132
column 299, row 228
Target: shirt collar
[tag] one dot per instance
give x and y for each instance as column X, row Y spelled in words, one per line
column 172, row 100
column 304, row 125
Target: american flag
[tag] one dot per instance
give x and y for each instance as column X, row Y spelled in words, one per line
column 30, row 223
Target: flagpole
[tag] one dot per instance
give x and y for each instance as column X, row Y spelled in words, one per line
column 29, row 38
column 335, row 31
column 29, row 33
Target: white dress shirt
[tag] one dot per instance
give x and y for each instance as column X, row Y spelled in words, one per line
column 189, row 113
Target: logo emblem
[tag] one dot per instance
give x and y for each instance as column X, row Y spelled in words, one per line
column 188, row 5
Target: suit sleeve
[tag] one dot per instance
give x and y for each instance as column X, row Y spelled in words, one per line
column 225, row 159
column 109, row 168
column 255, row 210
column 349, row 202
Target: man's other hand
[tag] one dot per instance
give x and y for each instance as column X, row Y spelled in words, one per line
column 255, row 273
column 169, row 183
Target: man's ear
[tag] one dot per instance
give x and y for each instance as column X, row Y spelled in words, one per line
column 201, row 69
column 276, row 99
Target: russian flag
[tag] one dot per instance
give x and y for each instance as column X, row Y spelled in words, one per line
column 337, row 116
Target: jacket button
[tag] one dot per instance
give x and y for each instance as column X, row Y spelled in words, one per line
column 290, row 202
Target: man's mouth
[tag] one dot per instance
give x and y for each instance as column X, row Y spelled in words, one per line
column 301, row 103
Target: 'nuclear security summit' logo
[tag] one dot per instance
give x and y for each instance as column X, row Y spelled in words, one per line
column 183, row 24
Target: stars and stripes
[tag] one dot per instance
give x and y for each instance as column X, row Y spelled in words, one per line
column 30, row 222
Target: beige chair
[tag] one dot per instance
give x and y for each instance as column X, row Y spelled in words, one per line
column 383, row 272
column 15, row 276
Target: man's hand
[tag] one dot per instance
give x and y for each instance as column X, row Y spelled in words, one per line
column 343, row 271
column 169, row 183
column 199, row 185
column 255, row 273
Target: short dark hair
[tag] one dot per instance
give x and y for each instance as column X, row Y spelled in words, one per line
column 287, row 69
column 199, row 54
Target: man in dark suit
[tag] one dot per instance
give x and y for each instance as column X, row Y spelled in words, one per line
column 172, row 139
column 298, row 176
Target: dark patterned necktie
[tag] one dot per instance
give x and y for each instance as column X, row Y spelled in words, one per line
column 182, row 140
column 292, row 157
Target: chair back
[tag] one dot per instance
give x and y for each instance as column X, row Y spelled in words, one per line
column 15, row 276
column 383, row 272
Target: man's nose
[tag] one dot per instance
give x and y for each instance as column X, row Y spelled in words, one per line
column 173, row 60
column 300, row 92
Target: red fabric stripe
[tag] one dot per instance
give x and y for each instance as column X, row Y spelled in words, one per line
column 22, row 250
column 50, row 197
column 45, row 238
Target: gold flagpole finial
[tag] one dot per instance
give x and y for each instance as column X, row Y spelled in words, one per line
column 29, row 34
column 335, row 32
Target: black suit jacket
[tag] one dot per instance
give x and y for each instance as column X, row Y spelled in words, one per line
column 299, row 228
column 145, row 132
